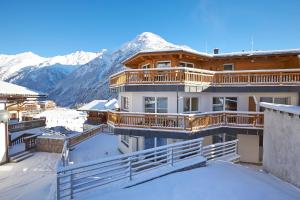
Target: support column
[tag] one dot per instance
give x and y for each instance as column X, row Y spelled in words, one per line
column 3, row 139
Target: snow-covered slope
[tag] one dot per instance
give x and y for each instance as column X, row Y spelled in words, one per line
column 78, row 77
column 10, row 64
column 42, row 74
column 90, row 81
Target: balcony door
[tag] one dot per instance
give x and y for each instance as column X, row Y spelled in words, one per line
column 155, row 105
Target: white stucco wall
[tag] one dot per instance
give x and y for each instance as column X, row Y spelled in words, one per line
column 282, row 145
column 2, row 138
column 136, row 99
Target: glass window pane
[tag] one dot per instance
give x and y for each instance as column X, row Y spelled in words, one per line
column 228, row 67
column 162, row 104
column 190, row 65
column 163, row 64
column 266, row 99
column 181, row 64
column 281, row 100
column 194, row 104
column 149, row 103
column 186, row 104
column 218, row 103
column 231, row 103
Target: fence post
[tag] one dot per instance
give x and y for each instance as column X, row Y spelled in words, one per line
column 57, row 187
column 172, row 156
column 71, row 184
column 130, row 169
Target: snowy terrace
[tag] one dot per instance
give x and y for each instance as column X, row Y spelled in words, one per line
column 218, row 180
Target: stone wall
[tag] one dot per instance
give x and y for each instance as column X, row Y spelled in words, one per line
column 50, row 144
column 282, row 145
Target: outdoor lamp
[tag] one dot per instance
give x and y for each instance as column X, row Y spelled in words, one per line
column 4, row 116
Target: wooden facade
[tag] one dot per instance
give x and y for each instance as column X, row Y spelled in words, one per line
column 216, row 62
column 96, row 117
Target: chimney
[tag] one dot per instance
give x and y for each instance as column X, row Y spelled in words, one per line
column 216, row 51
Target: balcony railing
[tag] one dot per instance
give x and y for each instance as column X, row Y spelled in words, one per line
column 186, row 122
column 25, row 125
column 179, row 75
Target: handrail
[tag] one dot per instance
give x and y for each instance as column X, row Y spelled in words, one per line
column 182, row 75
column 186, row 122
column 82, row 177
column 26, row 125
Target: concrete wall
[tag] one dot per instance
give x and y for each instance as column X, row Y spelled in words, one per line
column 282, row 146
column 2, row 138
column 248, row 148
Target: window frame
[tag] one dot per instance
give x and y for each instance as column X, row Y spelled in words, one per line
column 125, row 140
column 124, row 104
column 155, row 104
column 232, row 64
column 224, row 99
column 163, row 61
column 186, row 63
column 190, row 104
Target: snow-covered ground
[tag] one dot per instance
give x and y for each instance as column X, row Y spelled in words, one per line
column 97, row 147
column 218, row 180
column 69, row 118
column 33, row 178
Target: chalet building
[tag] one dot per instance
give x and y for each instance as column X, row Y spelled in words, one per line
column 179, row 94
column 97, row 112
column 12, row 95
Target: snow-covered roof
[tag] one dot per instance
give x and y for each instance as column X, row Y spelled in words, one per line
column 12, row 90
column 220, row 55
column 188, row 50
column 280, row 107
column 258, row 53
column 100, row 105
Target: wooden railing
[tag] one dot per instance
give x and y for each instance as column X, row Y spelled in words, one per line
column 185, row 122
column 164, row 76
column 26, row 125
column 179, row 75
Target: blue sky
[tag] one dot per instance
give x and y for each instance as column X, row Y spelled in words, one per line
column 52, row 27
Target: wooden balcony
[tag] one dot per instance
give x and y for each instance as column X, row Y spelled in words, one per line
column 179, row 75
column 25, row 125
column 188, row 123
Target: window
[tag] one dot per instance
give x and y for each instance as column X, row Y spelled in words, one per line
column 125, row 140
column 228, row 67
column 218, row 103
column 124, row 103
column 186, row 64
column 149, row 104
column 163, row 64
column 224, row 103
column 146, row 66
column 156, row 105
column 190, row 104
column 277, row 100
column 162, row 105
column 281, row 100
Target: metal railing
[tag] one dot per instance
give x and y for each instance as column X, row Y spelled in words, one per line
column 65, row 153
column 181, row 75
column 186, row 122
column 78, row 178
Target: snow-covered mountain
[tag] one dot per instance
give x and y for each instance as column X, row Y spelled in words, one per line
column 39, row 73
column 88, row 80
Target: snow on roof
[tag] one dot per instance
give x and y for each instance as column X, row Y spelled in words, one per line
column 188, row 50
column 218, row 180
column 220, row 55
column 258, row 53
column 9, row 89
column 100, row 105
column 280, row 107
